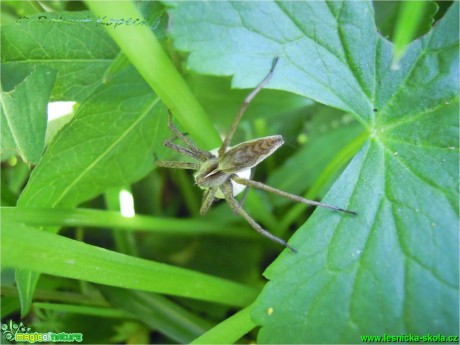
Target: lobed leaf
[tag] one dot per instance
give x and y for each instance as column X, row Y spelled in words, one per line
column 394, row 268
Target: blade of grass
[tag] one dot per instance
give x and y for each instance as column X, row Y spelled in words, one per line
column 85, row 310
column 125, row 241
column 112, row 219
column 157, row 312
column 56, row 255
column 57, row 296
column 411, row 20
column 230, row 330
column 142, row 48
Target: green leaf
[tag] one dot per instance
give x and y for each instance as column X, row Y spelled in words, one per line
column 394, row 268
column 78, row 53
column 75, row 165
column 64, row 257
column 113, row 130
column 222, row 103
column 116, row 127
column 24, row 115
column 330, row 131
column 321, row 62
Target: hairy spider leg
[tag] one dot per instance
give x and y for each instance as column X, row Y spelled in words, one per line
column 180, row 149
column 178, row 165
column 244, row 106
column 200, row 154
column 208, row 197
column 227, row 190
column 263, row 186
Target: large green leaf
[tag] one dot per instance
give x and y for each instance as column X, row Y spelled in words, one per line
column 111, row 132
column 326, row 63
column 394, row 268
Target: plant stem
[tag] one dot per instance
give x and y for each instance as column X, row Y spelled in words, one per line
column 142, row 48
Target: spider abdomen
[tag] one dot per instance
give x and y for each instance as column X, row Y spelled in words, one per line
column 249, row 153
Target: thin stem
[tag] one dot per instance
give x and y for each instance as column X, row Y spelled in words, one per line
column 145, row 52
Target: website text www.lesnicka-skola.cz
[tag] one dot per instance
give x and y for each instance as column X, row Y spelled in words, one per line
column 410, row 338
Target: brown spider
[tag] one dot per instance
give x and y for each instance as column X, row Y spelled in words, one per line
column 217, row 174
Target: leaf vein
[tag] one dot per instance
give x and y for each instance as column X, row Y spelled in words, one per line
column 105, row 153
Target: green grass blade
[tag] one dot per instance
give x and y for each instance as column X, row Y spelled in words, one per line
column 113, row 219
column 230, row 330
column 411, row 20
column 60, row 256
column 85, row 310
column 157, row 312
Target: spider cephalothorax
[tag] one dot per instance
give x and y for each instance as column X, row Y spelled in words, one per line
column 217, row 170
column 217, row 173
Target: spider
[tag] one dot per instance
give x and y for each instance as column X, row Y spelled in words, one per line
column 217, row 174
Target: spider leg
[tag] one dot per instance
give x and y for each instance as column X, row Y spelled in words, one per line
column 228, row 193
column 169, row 144
column 262, row 186
column 200, row 154
column 208, row 198
column 176, row 137
column 244, row 106
column 178, row 165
